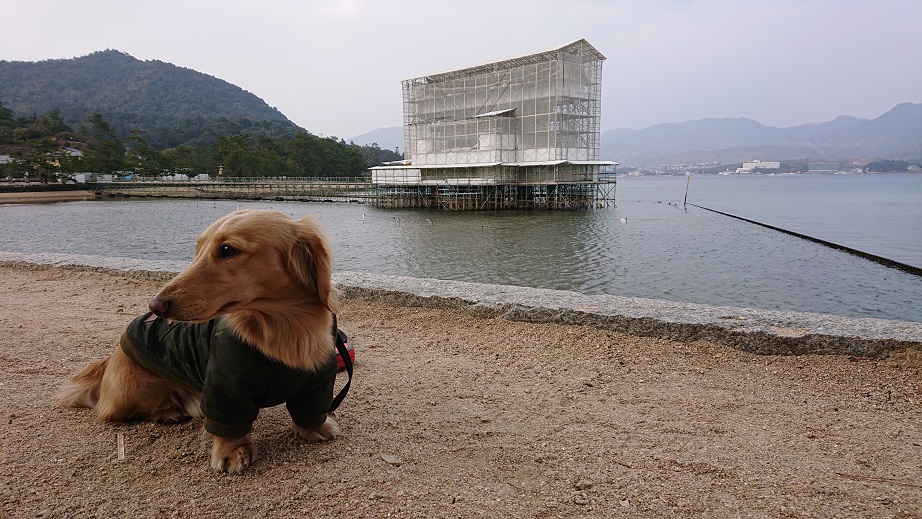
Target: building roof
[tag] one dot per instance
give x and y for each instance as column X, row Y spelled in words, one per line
column 594, row 162
column 540, row 56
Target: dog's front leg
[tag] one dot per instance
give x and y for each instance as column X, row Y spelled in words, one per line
column 326, row 431
column 232, row 454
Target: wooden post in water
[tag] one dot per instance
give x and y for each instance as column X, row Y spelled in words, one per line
column 688, row 179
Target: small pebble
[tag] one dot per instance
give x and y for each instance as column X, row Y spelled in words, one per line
column 393, row 460
column 583, row 485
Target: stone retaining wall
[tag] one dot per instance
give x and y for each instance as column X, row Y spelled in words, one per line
column 757, row 331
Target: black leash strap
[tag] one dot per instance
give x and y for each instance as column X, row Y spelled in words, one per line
column 344, row 353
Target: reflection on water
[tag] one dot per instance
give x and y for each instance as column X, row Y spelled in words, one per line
column 551, row 250
column 661, row 251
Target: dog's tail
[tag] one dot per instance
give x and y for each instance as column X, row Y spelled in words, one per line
column 82, row 389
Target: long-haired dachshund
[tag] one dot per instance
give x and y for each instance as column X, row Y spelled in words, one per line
column 248, row 325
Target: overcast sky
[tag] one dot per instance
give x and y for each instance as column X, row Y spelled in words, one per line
column 334, row 66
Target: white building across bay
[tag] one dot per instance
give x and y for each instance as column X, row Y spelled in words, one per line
column 517, row 133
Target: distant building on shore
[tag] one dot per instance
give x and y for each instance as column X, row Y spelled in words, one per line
column 749, row 167
column 518, row 133
column 824, row 167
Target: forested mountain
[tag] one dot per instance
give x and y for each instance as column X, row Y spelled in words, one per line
column 172, row 105
column 111, row 113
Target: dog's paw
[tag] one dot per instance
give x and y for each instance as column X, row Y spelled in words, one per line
column 327, row 431
column 232, row 455
column 175, row 418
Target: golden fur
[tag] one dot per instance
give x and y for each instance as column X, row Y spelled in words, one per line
column 270, row 275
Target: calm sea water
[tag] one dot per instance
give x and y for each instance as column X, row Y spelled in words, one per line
column 646, row 246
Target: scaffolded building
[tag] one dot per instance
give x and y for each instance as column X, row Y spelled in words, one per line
column 519, row 133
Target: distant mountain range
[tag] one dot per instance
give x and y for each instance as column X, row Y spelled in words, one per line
column 387, row 138
column 896, row 134
column 172, row 105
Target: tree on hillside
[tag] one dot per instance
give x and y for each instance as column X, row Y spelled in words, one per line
column 304, row 154
column 235, row 154
column 141, row 158
column 349, row 161
column 106, row 154
column 53, row 123
column 314, row 156
column 6, row 116
column 46, row 125
column 374, row 155
column 887, row 166
column 189, row 160
column 43, row 160
column 7, row 124
column 272, row 158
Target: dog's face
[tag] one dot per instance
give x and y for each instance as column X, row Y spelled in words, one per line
column 250, row 261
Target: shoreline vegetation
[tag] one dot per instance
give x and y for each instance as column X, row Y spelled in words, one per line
column 452, row 414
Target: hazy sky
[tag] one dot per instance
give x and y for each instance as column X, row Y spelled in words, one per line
column 334, row 66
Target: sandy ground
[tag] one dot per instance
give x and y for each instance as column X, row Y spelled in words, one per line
column 457, row 416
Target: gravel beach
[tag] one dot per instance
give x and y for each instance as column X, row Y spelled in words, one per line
column 455, row 415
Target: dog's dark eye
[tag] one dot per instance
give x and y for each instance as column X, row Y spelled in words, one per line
column 228, row 252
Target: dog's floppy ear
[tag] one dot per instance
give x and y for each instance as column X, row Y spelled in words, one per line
column 311, row 262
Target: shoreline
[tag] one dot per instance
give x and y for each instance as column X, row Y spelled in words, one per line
column 40, row 197
column 764, row 332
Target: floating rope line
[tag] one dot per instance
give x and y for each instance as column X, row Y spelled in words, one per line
column 866, row 255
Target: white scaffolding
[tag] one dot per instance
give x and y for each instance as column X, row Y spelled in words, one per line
column 531, row 120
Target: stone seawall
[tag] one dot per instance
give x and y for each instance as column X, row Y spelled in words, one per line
column 768, row 332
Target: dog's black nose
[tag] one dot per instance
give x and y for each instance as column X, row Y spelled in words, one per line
column 159, row 306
